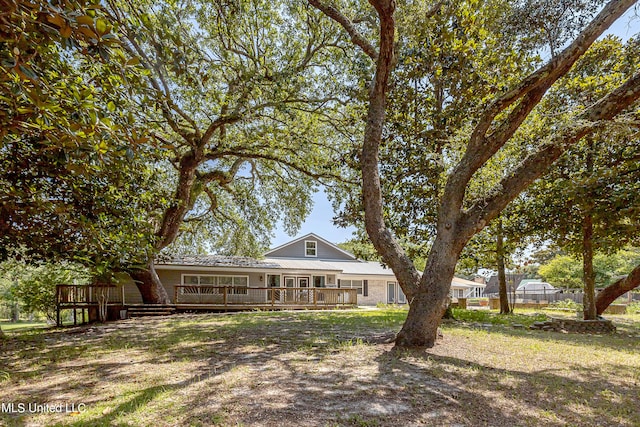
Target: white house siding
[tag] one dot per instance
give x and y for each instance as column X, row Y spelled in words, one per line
column 376, row 289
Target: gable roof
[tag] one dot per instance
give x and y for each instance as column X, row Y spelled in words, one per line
column 347, row 255
column 513, row 279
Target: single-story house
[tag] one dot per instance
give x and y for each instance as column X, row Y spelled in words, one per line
column 463, row 288
column 305, row 271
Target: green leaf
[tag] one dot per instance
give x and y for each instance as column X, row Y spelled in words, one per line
column 101, row 26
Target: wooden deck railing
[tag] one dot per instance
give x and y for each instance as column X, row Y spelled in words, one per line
column 78, row 295
column 246, row 296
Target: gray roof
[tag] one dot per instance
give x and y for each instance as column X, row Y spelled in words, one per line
column 360, row 268
column 215, row 261
column 364, row 268
column 303, row 264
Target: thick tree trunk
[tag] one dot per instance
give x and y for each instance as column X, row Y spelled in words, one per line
column 421, row 327
column 617, row 289
column 149, row 285
column 428, row 305
column 505, row 307
column 147, row 280
column 589, row 276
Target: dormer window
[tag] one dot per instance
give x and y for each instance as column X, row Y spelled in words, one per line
column 310, row 248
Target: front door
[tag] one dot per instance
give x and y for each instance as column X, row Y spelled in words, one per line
column 289, row 282
column 395, row 294
column 296, row 282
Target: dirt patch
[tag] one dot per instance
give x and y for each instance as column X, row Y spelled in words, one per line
column 316, row 369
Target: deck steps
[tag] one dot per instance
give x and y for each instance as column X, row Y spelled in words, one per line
column 144, row 310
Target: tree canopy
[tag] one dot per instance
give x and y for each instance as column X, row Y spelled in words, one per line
column 75, row 171
column 501, row 114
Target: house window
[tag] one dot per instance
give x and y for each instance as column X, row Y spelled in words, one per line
column 351, row 284
column 273, row 280
column 238, row 283
column 395, row 295
column 310, row 248
column 318, row 281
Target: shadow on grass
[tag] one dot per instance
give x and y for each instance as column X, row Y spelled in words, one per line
column 309, row 369
column 512, row 397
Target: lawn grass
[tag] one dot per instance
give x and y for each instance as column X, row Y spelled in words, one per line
column 21, row 326
column 329, row 368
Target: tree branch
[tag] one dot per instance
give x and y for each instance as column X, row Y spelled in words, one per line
column 535, row 165
column 481, row 147
column 617, row 289
column 222, row 177
column 558, row 66
column 338, row 17
column 243, row 155
column 383, row 240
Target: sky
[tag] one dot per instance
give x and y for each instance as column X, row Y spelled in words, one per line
column 319, row 221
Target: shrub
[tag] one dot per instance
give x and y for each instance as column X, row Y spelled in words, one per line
column 33, row 285
column 633, row 308
column 567, row 304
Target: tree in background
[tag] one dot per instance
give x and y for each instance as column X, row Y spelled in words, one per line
column 565, row 271
column 499, row 115
column 590, row 201
column 32, row 284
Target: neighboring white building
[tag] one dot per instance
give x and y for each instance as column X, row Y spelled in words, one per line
column 533, row 286
column 462, row 288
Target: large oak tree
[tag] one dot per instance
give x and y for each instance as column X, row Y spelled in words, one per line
column 239, row 94
column 129, row 123
column 459, row 217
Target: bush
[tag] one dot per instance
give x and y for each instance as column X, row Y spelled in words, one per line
column 483, row 316
column 33, row 285
column 633, row 308
column 567, row 304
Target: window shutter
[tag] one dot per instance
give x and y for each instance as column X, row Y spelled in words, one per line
column 338, row 283
column 365, row 289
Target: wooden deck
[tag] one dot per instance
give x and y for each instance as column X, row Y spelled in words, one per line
column 90, row 300
column 247, row 298
column 111, row 300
